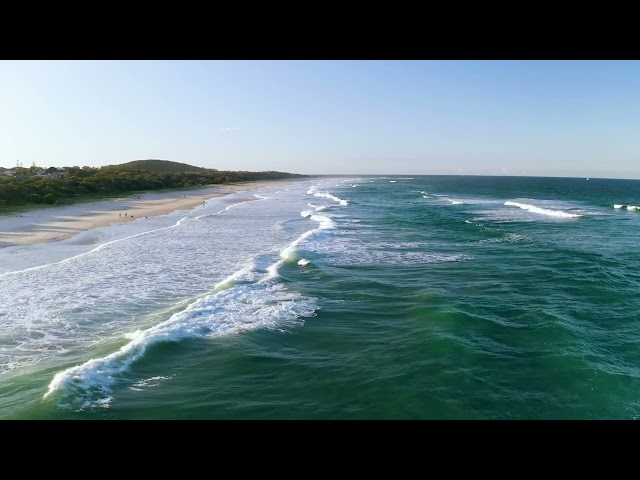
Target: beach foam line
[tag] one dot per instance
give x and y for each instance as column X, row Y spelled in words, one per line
column 241, row 307
column 227, row 208
column 542, row 211
column 318, row 208
column 113, row 242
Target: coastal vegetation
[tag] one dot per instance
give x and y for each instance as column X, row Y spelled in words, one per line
column 36, row 185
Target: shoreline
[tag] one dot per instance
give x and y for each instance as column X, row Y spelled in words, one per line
column 54, row 224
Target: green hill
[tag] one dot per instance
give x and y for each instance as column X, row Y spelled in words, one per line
column 157, row 166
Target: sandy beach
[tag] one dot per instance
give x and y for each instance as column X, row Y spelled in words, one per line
column 58, row 223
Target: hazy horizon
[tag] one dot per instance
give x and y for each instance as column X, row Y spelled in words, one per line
column 354, row 174
column 512, row 118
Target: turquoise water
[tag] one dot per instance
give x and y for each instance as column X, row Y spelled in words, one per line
column 425, row 297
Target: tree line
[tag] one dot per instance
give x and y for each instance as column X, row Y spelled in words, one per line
column 87, row 182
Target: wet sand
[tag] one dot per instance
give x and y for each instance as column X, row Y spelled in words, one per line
column 58, row 223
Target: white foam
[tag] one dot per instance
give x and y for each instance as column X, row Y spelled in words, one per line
column 303, row 261
column 52, row 317
column 392, row 181
column 617, row 205
column 244, row 273
column 347, row 251
column 123, row 239
column 148, row 382
column 632, row 207
column 314, row 191
column 318, row 208
column 342, row 202
column 397, row 258
column 240, row 308
column 542, row 211
column 507, row 238
column 226, row 209
column 397, row 245
column 99, row 247
column 325, row 223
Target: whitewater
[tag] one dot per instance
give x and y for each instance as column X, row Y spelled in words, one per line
column 207, row 272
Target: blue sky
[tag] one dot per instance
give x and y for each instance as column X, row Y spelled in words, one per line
column 555, row 118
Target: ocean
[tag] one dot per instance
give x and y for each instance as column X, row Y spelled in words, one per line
column 364, row 297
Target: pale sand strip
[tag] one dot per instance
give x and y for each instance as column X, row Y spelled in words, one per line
column 68, row 226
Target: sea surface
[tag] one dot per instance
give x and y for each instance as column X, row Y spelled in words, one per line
column 398, row 297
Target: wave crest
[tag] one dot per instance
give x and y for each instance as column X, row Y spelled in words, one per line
column 236, row 309
column 542, row 211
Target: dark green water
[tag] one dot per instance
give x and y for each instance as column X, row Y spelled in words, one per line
column 433, row 300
